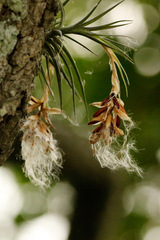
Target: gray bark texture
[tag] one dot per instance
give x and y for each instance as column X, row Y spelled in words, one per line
column 23, row 27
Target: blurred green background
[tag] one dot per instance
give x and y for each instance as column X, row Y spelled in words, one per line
column 90, row 203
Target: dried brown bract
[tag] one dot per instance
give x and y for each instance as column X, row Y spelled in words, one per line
column 43, row 158
column 109, row 115
column 109, row 151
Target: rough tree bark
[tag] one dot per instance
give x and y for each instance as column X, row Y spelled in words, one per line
column 23, row 26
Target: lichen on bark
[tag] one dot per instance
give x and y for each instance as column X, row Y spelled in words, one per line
column 15, row 5
column 22, row 34
column 8, row 38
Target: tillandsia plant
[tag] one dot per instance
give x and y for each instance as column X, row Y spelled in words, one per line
column 39, row 150
column 43, row 158
column 109, row 151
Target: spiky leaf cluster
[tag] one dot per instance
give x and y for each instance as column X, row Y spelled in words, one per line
column 58, row 55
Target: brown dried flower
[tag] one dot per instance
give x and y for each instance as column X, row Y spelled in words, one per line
column 109, row 152
column 109, row 115
column 43, row 158
column 42, row 106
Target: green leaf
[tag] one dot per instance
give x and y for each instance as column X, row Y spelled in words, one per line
column 114, row 42
column 101, row 41
column 59, row 79
column 88, row 15
column 98, row 39
column 112, row 46
column 68, row 81
column 65, row 2
column 41, row 80
column 50, row 89
column 109, row 25
column 44, row 77
column 72, row 39
column 102, row 14
column 55, row 63
column 76, row 71
column 123, row 75
column 61, row 53
column 62, row 15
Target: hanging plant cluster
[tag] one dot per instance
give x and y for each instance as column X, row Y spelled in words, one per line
column 110, row 139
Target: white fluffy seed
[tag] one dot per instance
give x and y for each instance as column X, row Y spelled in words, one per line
column 43, row 158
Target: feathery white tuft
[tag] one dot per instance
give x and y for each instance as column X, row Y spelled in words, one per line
column 43, row 158
column 117, row 155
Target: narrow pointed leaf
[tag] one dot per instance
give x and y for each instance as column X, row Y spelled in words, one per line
column 123, row 72
column 88, row 15
column 77, row 73
column 43, row 74
column 59, row 80
column 47, row 66
column 61, row 53
column 102, row 14
column 68, row 81
column 55, row 63
column 100, row 40
column 115, row 42
column 61, row 7
column 48, row 84
column 65, row 76
column 65, row 2
column 109, row 25
column 112, row 46
column 72, row 39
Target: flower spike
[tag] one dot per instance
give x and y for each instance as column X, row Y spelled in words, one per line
column 43, row 158
column 104, row 138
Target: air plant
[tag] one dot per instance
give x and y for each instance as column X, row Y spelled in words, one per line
column 109, row 151
column 43, row 158
column 59, row 56
column 103, row 139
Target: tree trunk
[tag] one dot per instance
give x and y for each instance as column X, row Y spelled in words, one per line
column 23, row 26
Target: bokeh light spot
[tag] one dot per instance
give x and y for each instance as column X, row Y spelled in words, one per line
column 11, row 199
column 137, row 30
column 34, row 201
column 151, row 16
column 147, row 61
column 158, row 155
column 152, row 234
column 46, row 227
column 61, row 199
